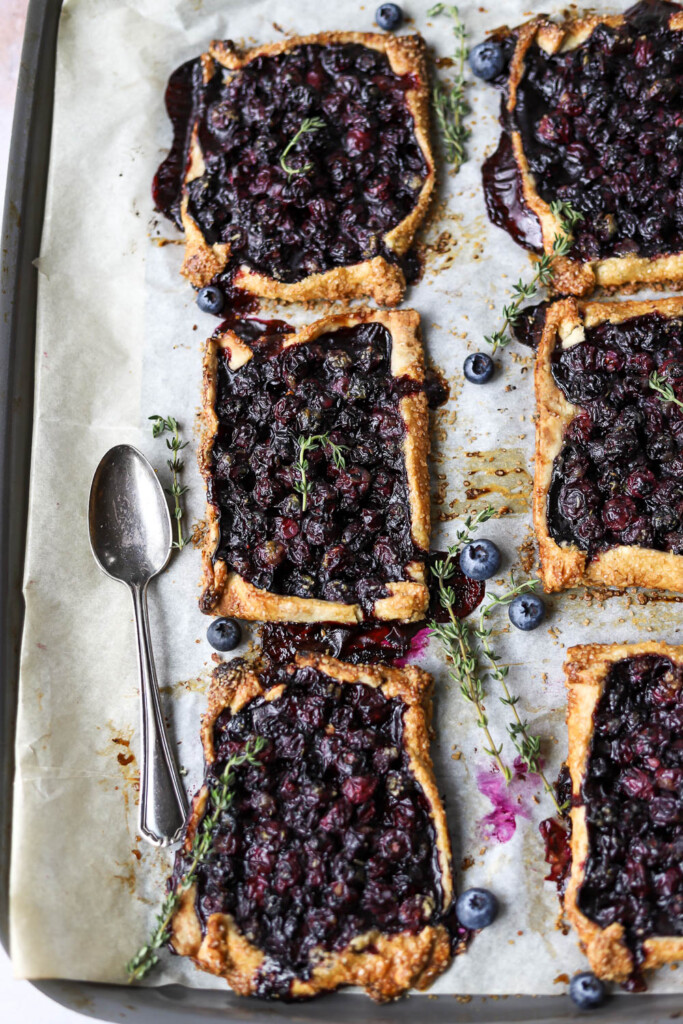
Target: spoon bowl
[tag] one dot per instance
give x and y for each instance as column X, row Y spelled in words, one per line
column 131, row 539
column 130, row 525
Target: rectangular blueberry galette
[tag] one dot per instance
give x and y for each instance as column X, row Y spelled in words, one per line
column 608, row 488
column 314, row 454
column 592, row 111
column 625, row 723
column 301, row 169
column 332, row 865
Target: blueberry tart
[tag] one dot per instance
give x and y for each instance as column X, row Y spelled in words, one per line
column 591, row 117
column 332, row 865
column 625, row 724
column 608, row 487
column 314, row 453
column 301, row 169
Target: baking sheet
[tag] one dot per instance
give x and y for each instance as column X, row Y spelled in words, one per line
column 119, row 339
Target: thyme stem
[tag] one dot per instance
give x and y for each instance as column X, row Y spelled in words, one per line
column 309, row 124
column 450, row 104
column 303, row 485
column 543, row 276
column 526, row 743
column 219, row 799
column 159, row 426
column 663, row 389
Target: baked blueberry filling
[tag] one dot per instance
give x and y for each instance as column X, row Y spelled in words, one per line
column 339, row 529
column 601, row 129
column 366, row 643
column 633, row 796
column 619, row 476
column 353, row 168
column 330, row 837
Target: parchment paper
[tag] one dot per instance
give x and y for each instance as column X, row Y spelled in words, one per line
column 119, row 339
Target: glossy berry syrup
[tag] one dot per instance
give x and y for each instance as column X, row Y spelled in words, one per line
column 329, row 837
column 633, row 796
column 619, row 476
column 602, row 129
column 352, row 533
column 344, row 185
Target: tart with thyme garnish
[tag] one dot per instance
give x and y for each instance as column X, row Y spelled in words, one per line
column 333, row 864
column 300, row 169
column 314, row 453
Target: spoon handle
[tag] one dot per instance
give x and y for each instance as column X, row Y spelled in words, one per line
column 163, row 804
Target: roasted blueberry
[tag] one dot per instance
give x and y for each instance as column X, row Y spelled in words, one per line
column 389, row 16
column 476, row 908
column 487, row 59
column 587, row 991
column 526, row 611
column 480, row 559
column 478, row 368
column 224, row 634
column 211, row 299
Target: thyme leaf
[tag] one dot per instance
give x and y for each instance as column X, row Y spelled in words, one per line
column 219, row 799
column 449, row 102
column 161, row 425
column 664, row 389
column 543, row 276
column 306, row 444
column 309, row 124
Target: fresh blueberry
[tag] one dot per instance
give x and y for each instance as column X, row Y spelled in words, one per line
column 487, row 59
column 389, row 16
column 587, row 991
column 479, row 368
column 476, row 908
column 526, row 611
column 480, row 559
column 224, row 634
column 210, row 299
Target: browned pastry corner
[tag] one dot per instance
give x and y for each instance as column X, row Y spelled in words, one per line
column 572, row 275
column 386, row 965
column 565, row 565
column 586, row 670
column 224, row 591
column 379, row 277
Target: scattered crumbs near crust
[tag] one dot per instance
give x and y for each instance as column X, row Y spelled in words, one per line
column 561, row 979
column 199, row 531
column 464, row 999
column 216, row 658
column 456, row 755
column 526, row 552
column 137, row 854
column 466, row 863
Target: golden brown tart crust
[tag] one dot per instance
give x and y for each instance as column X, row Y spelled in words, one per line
column 586, row 670
column 385, row 965
column 565, row 565
column 224, row 591
column 382, row 280
column 572, row 276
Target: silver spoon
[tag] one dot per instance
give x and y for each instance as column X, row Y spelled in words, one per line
column 130, row 537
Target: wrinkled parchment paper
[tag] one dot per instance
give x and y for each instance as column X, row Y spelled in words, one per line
column 119, row 339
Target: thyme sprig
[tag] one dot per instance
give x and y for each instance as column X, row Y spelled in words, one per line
column 449, row 102
column 454, row 636
column 309, row 124
column 161, row 425
column 663, row 388
column 219, row 799
column 306, row 444
column 465, row 643
column 544, row 273
column 526, row 743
